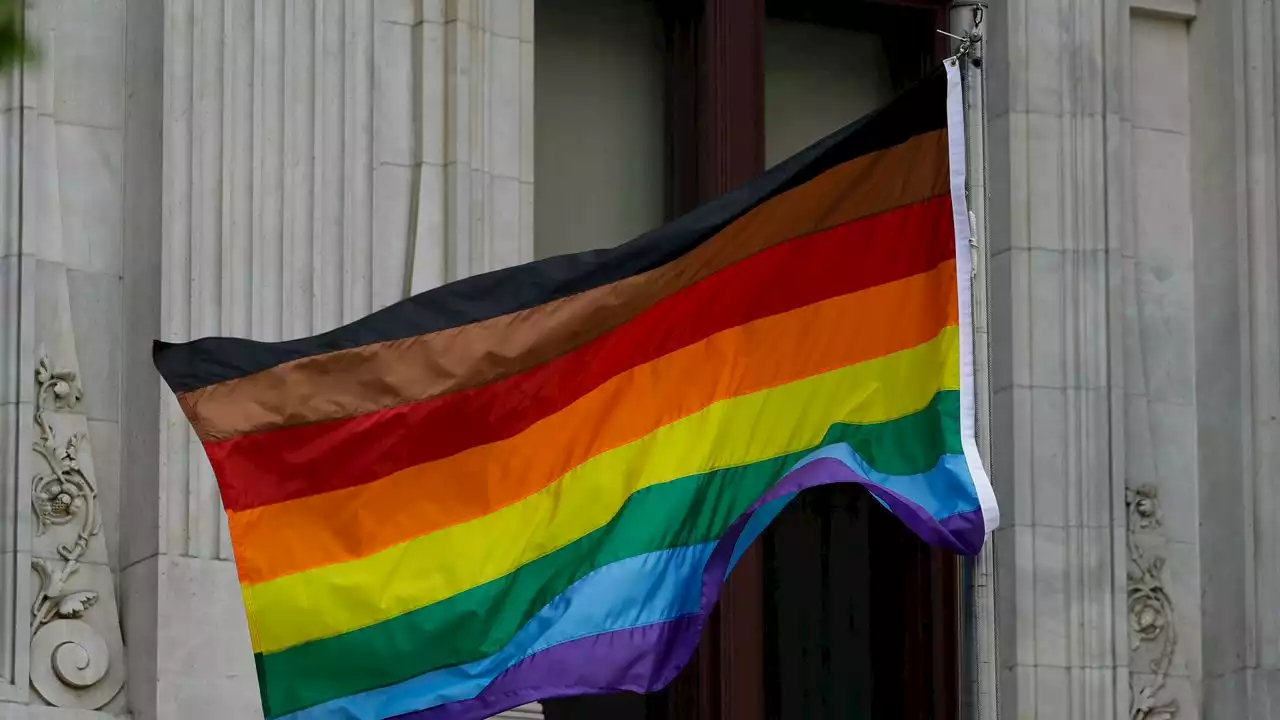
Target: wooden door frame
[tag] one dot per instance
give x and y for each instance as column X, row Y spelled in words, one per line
column 715, row 142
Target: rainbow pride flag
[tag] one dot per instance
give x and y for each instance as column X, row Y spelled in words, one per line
column 533, row 483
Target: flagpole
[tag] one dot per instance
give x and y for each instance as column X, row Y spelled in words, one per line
column 980, row 673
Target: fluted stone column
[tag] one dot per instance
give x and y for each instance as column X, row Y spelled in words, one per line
column 314, row 160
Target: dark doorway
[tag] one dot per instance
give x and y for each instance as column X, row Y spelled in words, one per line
column 858, row 623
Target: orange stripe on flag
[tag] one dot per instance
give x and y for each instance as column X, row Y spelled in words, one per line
column 290, row 537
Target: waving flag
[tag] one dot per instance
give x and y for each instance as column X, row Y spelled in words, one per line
column 533, row 483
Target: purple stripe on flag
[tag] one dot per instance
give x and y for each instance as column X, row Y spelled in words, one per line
column 961, row 533
column 645, row 659
column 639, row 660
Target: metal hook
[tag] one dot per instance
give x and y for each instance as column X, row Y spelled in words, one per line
column 971, row 37
column 967, row 41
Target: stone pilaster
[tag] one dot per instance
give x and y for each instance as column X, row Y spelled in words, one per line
column 59, row 409
column 1057, row 428
column 1153, row 200
column 17, row 363
column 1237, row 334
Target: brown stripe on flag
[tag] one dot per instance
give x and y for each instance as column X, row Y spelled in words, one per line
column 373, row 377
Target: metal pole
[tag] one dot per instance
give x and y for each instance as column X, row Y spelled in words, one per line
column 980, row 690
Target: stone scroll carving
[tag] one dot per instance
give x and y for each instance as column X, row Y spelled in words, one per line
column 71, row 664
column 1151, row 614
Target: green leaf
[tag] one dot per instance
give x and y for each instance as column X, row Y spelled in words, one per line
column 14, row 46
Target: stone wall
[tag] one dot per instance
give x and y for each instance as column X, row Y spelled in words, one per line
column 1136, row 365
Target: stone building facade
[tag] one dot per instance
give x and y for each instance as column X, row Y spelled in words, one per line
column 274, row 168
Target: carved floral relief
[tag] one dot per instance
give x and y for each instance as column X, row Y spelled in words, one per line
column 1151, row 614
column 71, row 664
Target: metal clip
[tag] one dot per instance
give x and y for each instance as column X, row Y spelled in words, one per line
column 970, row 38
column 973, row 246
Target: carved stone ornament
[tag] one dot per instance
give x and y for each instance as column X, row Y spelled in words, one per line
column 1144, row 508
column 1151, row 616
column 70, row 661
